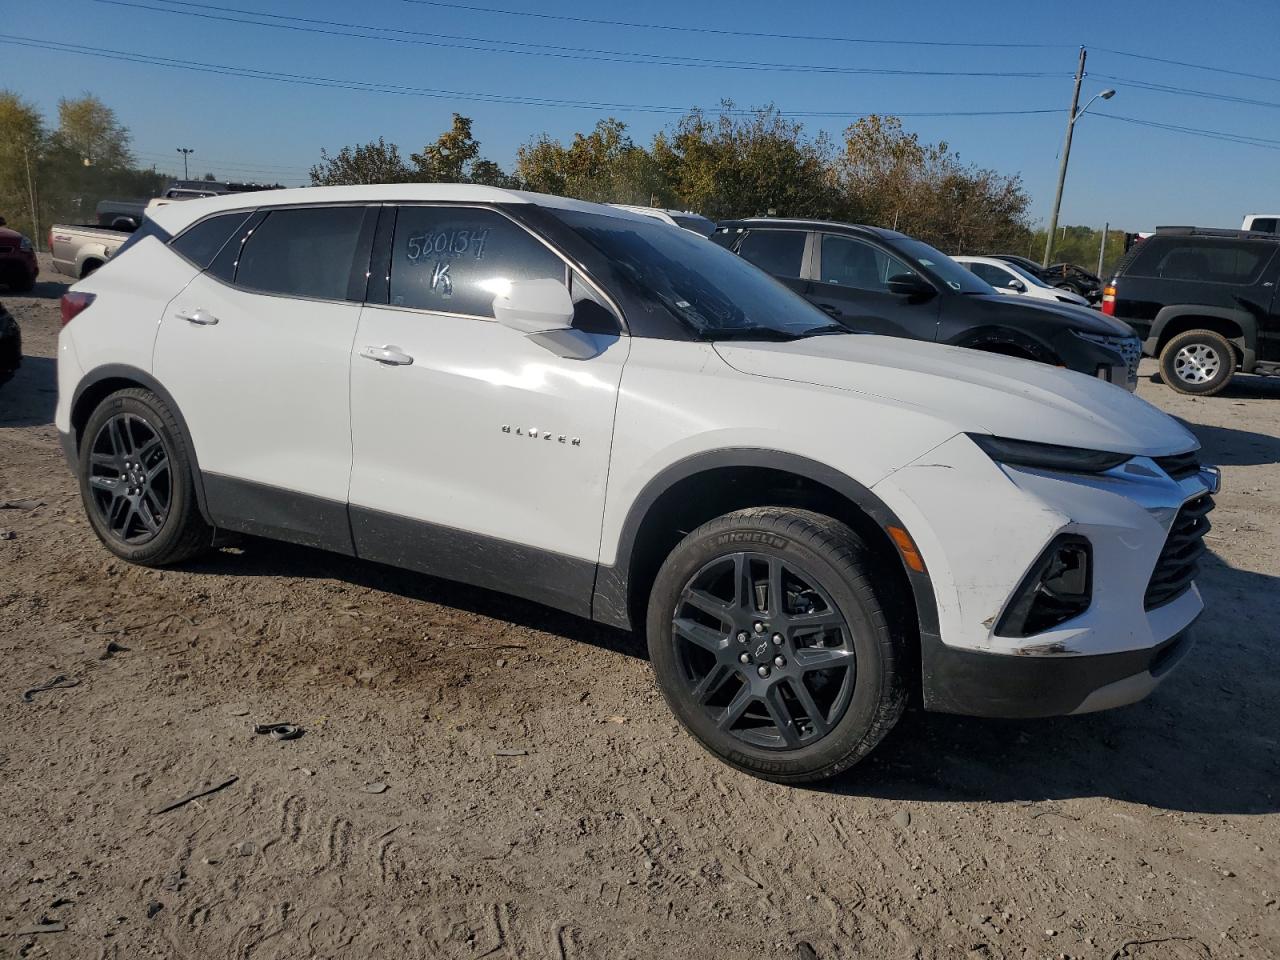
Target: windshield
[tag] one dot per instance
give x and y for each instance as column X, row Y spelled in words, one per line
column 717, row 294
column 941, row 266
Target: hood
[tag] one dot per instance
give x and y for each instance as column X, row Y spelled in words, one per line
column 1071, row 315
column 976, row 392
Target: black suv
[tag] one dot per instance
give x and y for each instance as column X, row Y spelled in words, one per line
column 1204, row 302
column 882, row 281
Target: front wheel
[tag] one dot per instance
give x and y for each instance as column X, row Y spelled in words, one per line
column 769, row 642
column 1198, row 362
column 136, row 481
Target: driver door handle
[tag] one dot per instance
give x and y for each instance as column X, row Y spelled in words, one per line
column 202, row 317
column 390, row 355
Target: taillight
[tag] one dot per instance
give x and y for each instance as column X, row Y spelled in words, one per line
column 73, row 303
column 1109, row 300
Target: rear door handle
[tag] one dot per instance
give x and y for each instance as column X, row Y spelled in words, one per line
column 202, row 317
column 392, row 356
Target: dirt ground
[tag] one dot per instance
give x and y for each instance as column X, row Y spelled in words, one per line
column 538, row 801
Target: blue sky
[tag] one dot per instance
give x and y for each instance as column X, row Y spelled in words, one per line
column 1133, row 176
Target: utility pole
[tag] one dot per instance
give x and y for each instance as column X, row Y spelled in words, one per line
column 1066, row 153
column 31, row 196
column 187, row 151
column 1102, row 247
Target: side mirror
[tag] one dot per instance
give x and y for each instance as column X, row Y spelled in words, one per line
column 910, row 285
column 1018, row 285
column 534, row 306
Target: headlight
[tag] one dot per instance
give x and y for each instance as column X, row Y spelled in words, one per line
column 1047, row 456
column 24, row 245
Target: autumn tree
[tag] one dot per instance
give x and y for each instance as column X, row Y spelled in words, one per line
column 89, row 130
column 893, row 179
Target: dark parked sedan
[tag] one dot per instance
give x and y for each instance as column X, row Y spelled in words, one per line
column 882, row 281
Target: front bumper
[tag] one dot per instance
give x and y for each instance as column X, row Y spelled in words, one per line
column 995, row 685
column 1115, row 652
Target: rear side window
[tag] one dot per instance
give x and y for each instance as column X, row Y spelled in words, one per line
column 1265, row 224
column 724, row 237
column 456, row 259
column 779, row 252
column 201, row 242
column 1211, row 261
column 302, row 253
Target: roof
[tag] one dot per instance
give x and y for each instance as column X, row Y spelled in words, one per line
column 804, row 223
column 174, row 216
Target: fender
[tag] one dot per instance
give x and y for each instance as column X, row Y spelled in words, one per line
column 90, row 251
column 121, row 371
column 1246, row 321
column 610, row 603
column 1004, row 336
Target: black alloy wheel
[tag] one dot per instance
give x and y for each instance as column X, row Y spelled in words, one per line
column 130, row 478
column 764, row 651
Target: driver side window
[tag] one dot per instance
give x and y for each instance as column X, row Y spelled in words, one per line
column 853, row 263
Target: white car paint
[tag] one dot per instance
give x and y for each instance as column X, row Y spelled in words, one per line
column 1032, row 287
column 278, row 392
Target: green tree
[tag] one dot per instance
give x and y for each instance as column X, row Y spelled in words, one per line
column 89, row 129
column 603, row 166
column 1079, row 245
column 22, row 143
column 741, row 165
column 362, row 164
column 454, row 157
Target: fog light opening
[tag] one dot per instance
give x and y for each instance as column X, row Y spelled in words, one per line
column 1058, row 588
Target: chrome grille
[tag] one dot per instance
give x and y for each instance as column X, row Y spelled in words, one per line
column 1129, row 348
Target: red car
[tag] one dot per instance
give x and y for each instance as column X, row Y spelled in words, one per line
column 18, row 267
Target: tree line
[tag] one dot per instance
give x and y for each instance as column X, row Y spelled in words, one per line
column 734, row 163
column 60, row 174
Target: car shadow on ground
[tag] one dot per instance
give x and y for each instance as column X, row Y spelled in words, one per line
column 1208, row 741
column 254, row 557
column 29, row 399
column 1228, row 447
column 43, row 290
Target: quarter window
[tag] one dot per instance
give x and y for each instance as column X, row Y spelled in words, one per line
column 779, row 252
column 201, row 243
column 307, row 252
column 852, row 263
column 455, row 259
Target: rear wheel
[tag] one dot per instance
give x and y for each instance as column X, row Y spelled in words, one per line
column 769, row 643
column 136, row 481
column 1198, row 362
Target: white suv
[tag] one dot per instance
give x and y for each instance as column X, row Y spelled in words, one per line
column 582, row 406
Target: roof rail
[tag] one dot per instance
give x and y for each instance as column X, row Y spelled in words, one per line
column 1215, row 232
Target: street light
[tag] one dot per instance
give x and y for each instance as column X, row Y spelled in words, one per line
column 186, row 152
column 1066, row 152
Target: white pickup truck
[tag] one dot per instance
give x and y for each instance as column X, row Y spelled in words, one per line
column 79, row 249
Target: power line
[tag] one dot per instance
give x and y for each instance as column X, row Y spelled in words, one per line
column 1186, row 91
column 453, row 41
column 436, row 93
column 732, row 33
column 1245, row 139
column 1187, row 63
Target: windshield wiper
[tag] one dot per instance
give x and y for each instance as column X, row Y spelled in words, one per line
column 827, row 328
column 772, row 334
